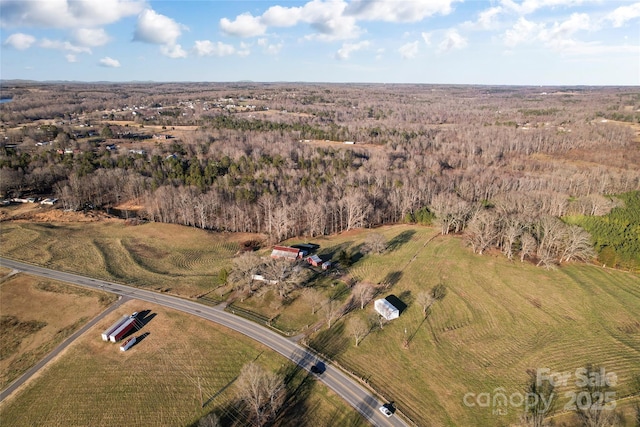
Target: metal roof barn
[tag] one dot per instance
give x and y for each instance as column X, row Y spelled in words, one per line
column 386, row 309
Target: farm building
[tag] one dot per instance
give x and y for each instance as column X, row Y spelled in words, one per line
column 386, row 309
column 287, row 252
column 306, row 247
column 314, row 260
column 261, row 278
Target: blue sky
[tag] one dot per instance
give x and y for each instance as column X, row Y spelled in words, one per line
column 524, row 42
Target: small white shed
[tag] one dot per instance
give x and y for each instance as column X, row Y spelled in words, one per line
column 386, row 309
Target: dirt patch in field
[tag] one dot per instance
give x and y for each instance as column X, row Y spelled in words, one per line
column 36, row 213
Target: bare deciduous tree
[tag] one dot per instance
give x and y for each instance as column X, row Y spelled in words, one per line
column 577, row 245
column 358, row 328
column 314, row 298
column 262, row 391
column 363, row 292
column 482, row 231
column 375, row 243
column 332, row 311
column 285, row 275
column 246, row 266
column 597, row 410
column 540, row 399
column 528, row 246
column 512, row 229
column 425, row 299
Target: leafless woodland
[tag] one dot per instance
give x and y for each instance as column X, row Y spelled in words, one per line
column 499, row 163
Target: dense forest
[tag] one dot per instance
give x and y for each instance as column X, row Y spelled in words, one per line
column 502, row 165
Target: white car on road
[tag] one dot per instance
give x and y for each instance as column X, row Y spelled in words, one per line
column 386, row 411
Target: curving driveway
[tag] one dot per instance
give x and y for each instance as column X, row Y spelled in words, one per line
column 343, row 385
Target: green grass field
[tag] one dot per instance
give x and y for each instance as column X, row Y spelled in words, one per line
column 176, row 259
column 36, row 314
column 498, row 319
column 162, row 381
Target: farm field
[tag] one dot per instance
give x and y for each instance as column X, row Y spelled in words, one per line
column 158, row 381
column 164, row 257
column 36, row 315
column 498, row 318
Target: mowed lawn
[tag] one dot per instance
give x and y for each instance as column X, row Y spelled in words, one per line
column 498, row 319
column 164, row 257
column 181, row 363
column 37, row 314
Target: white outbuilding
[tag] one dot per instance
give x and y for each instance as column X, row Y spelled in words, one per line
column 386, row 309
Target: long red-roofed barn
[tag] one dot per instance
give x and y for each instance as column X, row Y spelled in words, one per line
column 286, row 252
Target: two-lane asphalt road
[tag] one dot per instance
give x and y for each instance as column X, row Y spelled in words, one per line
column 343, row 385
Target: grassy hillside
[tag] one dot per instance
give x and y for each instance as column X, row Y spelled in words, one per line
column 166, row 257
column 163, row 380
column 36, row 314
column 498, row 319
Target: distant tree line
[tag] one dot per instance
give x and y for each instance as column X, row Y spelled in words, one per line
column 431, row 154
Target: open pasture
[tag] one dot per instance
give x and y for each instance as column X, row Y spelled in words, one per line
column 180, row 364
column 36, row 315
column 165, row 257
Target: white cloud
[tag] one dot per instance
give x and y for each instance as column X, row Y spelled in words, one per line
column 327, row 18
column 529, row 6
column 330, row 20
column 427, row 38
column 173, row 51
column 409, row 50
column 71, row 58
column 575, row 23
column 348, row 48
column 269, row 48
column 245, row 25
column 278, row 16
column 522, row 31
column 109, row 62
column 487, row 18
column 20, row 41
column 207, row 48
column 623, row 14
column 66, row 13
column 60, row 45
column 338, row 28
column 91, row 36
column 558, row 37
column 452, row 40
column 245, row 49
column 155, row 28
column 398, row 11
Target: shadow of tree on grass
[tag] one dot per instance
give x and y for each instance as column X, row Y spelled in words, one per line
column 400, row 240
